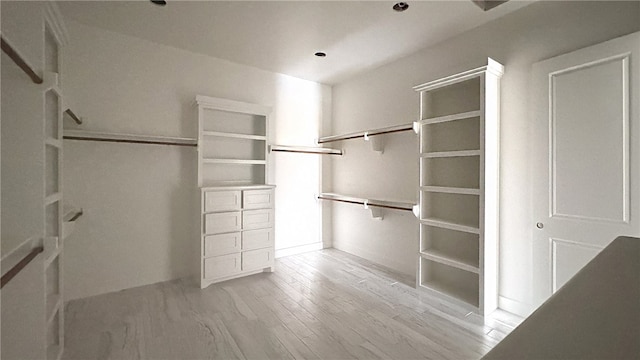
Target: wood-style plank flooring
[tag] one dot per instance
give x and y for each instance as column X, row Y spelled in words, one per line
column 320, row 305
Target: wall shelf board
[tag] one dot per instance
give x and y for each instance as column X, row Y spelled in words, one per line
column 454, row 117
column 444, row 154
column 451, row 190
column 53, row 142
column 450, row 225
column 234, row 135
column 372, row 132
column 234, row 161
column 127, row 138
column 441, row 257
column 52, row 198
column 305, row 150
column 53, row 304
column 451, row 292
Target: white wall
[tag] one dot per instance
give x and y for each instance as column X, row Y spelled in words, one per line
column 385, row 97
column 140, row 201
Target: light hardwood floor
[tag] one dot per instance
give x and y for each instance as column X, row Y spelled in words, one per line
column 320, row 305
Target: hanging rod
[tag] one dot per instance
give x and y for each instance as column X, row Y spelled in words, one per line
column 22, row 64
column 73, row 116
column 396, row 205
column 127, row 138
column 15, row 270
column 367, row 133
column 305, row 150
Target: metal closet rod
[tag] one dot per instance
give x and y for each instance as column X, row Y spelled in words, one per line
column 361, row 202
column 359, row 134
column 22, row 64
column 305, row 150
column 127, row 138
column 15, row 270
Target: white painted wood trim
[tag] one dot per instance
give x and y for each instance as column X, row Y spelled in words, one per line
column 234, row 135
column 232, row 105
column 454, row 117
column 492, row 66
column 442, row 258
column 298, row 249
column 515, row 306
column 449, row 225
column 445, row 154
column 451, row 190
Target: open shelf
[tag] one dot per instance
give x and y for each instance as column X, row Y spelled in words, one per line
column 233, row 148
column 450, row 225
column 234, row 135
column 452, row 117
column 455, row 248
column 450, row 281
column 454, row 172
column 463, row 134
column 237, row 123
column 453, row 208
column 438, row 256
column 456, row 98
column 445, row 154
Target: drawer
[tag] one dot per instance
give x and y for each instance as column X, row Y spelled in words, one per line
column 257, row 199
column 257, row 239
column 222, row 222
column 222, row 244
column 257, row 259
column 257, row 219
column 219, row 266
column 221, row 201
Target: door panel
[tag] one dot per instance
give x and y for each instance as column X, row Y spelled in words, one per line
column 589, row 141
column 586, row 135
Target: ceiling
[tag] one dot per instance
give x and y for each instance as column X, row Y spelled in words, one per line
column 282, row 36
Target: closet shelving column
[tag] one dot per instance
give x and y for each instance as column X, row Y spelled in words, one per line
column 459, row 164
column 53, row 210
column 236, row 203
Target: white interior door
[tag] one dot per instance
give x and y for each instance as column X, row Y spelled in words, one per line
column 586, row 157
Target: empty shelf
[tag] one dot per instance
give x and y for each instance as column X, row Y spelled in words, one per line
column 234, row 135
column 451, row 190
column 450, row 225
column 461, row 116
column 441, row 257
column 442, row 154
column 457, row 293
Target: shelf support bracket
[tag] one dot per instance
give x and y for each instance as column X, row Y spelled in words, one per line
column 376, row 212
column 377, row 143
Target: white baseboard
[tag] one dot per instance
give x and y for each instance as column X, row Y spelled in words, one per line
column 515, row 307
column 298, row 249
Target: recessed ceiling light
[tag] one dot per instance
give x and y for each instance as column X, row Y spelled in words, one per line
column 401, row 6
column 159, row 2
column 320, row 54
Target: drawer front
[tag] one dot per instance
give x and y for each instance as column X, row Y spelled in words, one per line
column 257, row 219
column 222, row 244
column 257, row 199
column 219, row 266
column 222, row 222
column 257, row 239
column 221, row 201
column 257, row 259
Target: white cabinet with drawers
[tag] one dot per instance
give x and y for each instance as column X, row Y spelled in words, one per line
column 237, row 232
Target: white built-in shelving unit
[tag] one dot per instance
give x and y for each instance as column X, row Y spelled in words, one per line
column 458, row 205
column 236, row 203
column 53, row 209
